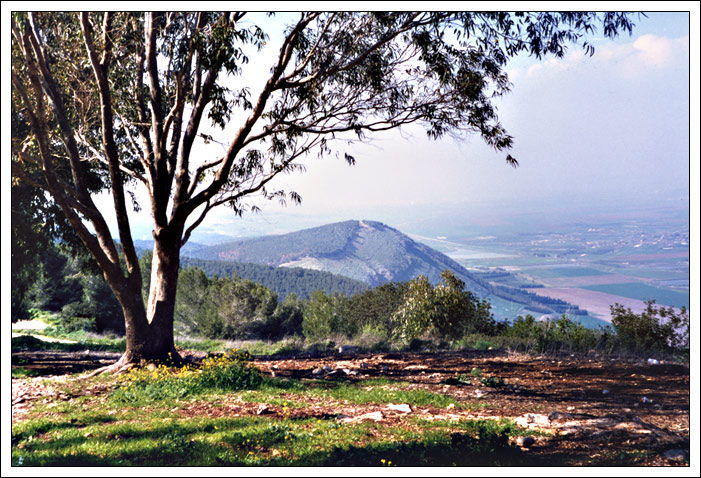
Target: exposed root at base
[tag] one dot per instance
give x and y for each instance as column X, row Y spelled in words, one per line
column 125, row 363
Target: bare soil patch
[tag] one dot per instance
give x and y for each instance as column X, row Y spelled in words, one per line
column 597, row 411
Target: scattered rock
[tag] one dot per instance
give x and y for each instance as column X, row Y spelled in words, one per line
column 653, row 361
column 318, row 371
column 478, row 393
column 677, row 454
column 605, row 391
column 533, row 420
column 525, row 441
column 402, row 407
column 374, row 416
column 264, row 409
column 348, row 349
column 559, row 416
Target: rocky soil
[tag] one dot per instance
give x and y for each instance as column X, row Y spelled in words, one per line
column 582, row 410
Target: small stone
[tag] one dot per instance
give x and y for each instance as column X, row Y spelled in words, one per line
column 605, row 391
column 348, row 349
column 402, row 407
column 676, row 454
column 317, row 371
column 525, row 441
column 374, row 416
column 263, row 410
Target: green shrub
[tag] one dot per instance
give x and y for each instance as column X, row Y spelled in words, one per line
column 220, row 372
column 494, row 382
column 321, row 317
column 656, row 329
column 446, row 311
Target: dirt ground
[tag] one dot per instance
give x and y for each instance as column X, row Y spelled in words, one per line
column 589, row 411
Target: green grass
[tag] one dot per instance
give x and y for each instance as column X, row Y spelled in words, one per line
column 637, row 290
column 26, row 342
column 97, row 430
column 241, row 441
column 21, row 372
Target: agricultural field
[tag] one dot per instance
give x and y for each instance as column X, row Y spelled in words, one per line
column 644, row 292
column 559, row 272
column 467, row 408
column 597, row 303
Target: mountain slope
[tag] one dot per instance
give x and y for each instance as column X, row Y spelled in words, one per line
column 281, row 280
column 368, row 251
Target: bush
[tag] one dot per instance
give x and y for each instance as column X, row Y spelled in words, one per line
column 656, row 329
column 321, row 318
column 219, row 372
column 446, row 311
column 75, row 317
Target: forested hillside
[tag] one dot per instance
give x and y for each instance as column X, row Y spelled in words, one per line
column 281, row 280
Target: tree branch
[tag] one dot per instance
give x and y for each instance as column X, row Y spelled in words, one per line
column 111, row 153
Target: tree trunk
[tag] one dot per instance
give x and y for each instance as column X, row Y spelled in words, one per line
column 149, row 328
column 161, row 301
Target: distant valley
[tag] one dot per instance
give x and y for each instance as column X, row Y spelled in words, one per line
column 575, row 264
column 372, row 253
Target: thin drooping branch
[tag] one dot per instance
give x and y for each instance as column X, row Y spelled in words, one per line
column 147, row 160
column 222, row 173
column 52, row 91
column 104, row 252
column 101, row 69
column 43, row 83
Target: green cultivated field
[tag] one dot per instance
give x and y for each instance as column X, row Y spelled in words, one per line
column 637, row 290
column 549, row 273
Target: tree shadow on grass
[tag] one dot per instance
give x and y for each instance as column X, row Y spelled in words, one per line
column 176, row 445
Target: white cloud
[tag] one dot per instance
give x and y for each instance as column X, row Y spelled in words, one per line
column 647, row 53
column 660, row 51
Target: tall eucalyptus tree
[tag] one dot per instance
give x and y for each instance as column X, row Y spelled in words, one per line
column 110, row 100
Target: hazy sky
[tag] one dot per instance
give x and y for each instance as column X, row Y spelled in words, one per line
column 609, row 128
column 613, row 127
